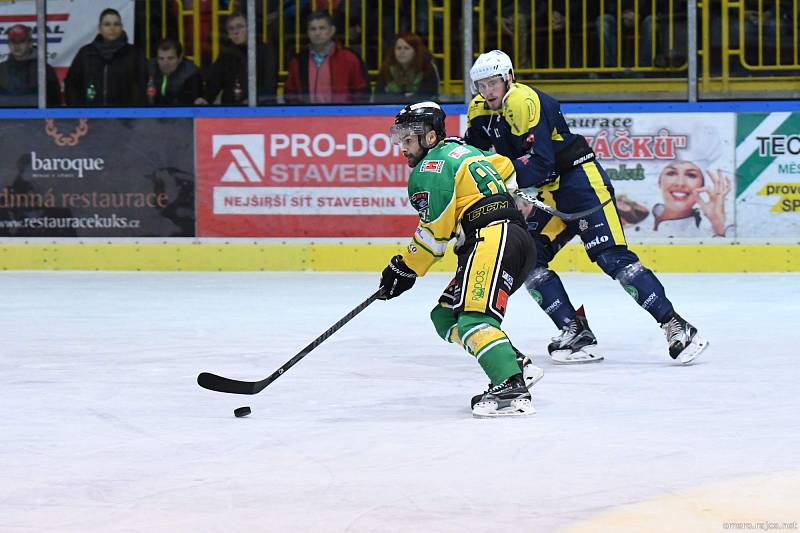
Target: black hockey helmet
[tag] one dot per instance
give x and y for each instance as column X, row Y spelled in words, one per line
column 414, row 118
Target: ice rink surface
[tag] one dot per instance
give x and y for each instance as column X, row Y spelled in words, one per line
column 104, row 429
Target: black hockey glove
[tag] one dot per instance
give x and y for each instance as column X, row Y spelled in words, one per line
column 396, row 278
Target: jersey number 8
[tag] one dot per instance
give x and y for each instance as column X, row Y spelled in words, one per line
column 487, row 179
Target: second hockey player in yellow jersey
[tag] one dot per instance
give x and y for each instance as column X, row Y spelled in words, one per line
column 526, row 125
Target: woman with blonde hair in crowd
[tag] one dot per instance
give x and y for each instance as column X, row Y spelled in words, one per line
column 408, row 73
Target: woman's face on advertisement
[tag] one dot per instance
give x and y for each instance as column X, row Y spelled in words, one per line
column 679, row 182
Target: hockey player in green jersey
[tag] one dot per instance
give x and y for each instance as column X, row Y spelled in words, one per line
column 462, row 193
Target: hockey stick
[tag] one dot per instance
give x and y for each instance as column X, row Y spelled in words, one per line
column 567, row 217
column 234, row 386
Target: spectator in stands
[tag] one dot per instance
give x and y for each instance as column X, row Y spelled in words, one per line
column 671, row 47
column 228, row 77
column 364, row 33
column 410, row 16
column 172, row 80
column 760, row 31
column 514, row 27
column 19, row 73
column 108, row 71
column 669, row 20
column 325, row 72
column 554, row 37
column 609, row 39
column 408, row 73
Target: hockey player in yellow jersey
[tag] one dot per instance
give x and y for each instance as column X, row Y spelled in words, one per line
column 462, row 194
column 526, row 125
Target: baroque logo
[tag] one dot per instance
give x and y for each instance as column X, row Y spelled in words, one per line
column 62, row 139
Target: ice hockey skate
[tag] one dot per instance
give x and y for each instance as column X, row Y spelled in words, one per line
column 530, row 372
column 685, row 343
column 576, row 343
column 509, row 398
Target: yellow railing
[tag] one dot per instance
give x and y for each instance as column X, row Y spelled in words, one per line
column 581, row 34
column 217, row 16
column 182, row 13
column 738, row 60
column 370, row 22
column 744, row 43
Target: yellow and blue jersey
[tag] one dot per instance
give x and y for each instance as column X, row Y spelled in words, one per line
column 529, row 128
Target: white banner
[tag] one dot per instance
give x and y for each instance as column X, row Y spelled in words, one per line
column 70, row 24
column 673, row 173
column 768, row 160
column 311, row 201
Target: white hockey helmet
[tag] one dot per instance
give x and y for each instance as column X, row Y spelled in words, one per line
column 494, row 63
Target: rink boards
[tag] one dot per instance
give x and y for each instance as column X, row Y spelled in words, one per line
column 700, row 187
column 234, row 256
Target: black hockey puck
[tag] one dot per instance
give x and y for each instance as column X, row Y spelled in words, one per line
column 241, row 411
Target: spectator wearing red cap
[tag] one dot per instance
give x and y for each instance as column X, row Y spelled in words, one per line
column 109, row 71
column 19, row 73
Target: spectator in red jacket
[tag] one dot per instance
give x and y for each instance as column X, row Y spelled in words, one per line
column 325, row 72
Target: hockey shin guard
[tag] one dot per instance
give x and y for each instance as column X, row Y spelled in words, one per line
column 483, row 338
column 546, row 288
column 445, row 322
column 644, row 287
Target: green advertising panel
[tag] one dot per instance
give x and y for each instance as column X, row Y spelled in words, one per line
column 768, row 175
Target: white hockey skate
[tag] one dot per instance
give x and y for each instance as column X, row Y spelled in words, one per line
column 509, row 398
column 685, row 343
column 576, row 344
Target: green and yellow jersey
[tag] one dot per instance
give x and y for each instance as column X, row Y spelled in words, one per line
column 449, row 180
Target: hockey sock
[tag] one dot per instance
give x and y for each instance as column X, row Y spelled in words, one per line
column 645, row 288
column 483, row 338
column 445, row 322
column 546, row 288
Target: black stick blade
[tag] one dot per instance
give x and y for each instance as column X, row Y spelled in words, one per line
column 222, row 384
column 234, row 386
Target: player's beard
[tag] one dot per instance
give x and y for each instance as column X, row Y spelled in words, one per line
column 414, row 159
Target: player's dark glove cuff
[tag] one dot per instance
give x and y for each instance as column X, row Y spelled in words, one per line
column 396, row 278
